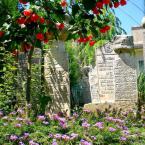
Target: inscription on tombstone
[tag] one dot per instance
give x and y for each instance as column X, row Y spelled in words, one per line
column 105, row 68
column 125, row 78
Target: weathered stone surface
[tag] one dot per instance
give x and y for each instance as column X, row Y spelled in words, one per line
column 57, row 77
column 123, row 42
column 125, row 77
column 102, row 88
column 114, row 77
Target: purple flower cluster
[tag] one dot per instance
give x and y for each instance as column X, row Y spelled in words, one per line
column 84, row 142
column 99, row 125
column 111, row 129
column 85, row 124
column 64, row 137
column 66, row 130
column 26, row 135
column 13, row 137
column 122, row 138
column 21, row 143
column 62, row 121
column 54, row 142
column 41, row 118
column 18, row 125
column 115, row 120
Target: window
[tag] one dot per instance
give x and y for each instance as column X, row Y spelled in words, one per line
column 141, row 65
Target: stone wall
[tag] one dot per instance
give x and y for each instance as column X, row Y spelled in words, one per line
column 57, row 77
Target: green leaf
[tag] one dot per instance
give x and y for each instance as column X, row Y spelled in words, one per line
column 89, row 4
column 75, row 9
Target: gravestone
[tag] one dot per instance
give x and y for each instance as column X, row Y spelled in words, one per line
column 57, row 77
column 114, row 78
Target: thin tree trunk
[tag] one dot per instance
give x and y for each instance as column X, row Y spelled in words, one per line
column 42, row 99
column 42, row 72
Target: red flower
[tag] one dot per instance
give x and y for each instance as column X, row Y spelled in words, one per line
column 92, row 42
column 40, row 36
column 45, row 40
column 60, row 26
column 42, row 20
column 116, row 4
column 99, row 5
column 2, row 33
column 34, row 18
column 106, row 2
column 90, row 37
column 63, row 3
column 103, row 30
column 85, row 40
column 123, row 2
column 95, row 11
column 107, row 28
column 23, row 1
column 21, row 20
column 27, row 13
column 80, row 40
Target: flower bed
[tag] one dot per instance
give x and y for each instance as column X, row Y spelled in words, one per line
column 83, row 128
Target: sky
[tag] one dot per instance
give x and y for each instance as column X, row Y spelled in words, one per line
column 131, row 14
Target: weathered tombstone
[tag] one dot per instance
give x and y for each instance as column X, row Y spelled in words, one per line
column 57, row 77
column 114, row 79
